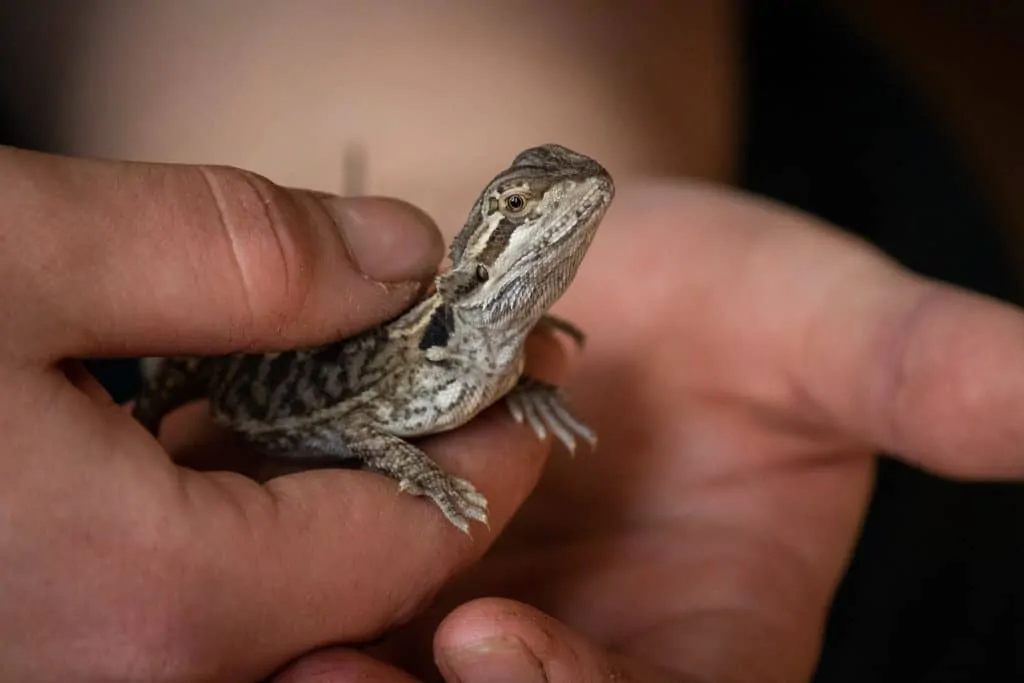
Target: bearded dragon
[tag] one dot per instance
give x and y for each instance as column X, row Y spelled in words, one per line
column 434, row 367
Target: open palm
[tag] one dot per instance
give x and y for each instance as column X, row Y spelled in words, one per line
column 744, row 365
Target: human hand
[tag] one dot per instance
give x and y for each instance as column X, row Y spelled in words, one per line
column 120, row 565
column 744, row 365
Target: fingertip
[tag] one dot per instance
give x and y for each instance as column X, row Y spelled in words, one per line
column 338, row 665
column 494, row 639
column 388, row 240
column 490, row 639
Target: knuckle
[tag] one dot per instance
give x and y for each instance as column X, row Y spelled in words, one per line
column 267, row 231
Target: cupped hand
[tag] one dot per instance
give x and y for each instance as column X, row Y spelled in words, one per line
column 117, row 563
column 745, row 363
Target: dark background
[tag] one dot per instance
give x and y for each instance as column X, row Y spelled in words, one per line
column 934, row 592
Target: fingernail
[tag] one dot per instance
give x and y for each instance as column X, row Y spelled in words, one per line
column 495, row 660
column 388, row 240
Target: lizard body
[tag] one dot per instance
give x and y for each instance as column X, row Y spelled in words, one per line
column 434, row 367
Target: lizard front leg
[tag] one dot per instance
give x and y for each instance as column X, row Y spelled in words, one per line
column 418, row 475
column 543, row 407
column 392, row 456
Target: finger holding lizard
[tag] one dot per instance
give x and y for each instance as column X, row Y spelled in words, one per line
column 121, row 564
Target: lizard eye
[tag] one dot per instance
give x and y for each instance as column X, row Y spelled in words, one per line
column 482, row 274
column 513, row 203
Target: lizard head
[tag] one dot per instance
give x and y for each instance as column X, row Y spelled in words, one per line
column 525, row 238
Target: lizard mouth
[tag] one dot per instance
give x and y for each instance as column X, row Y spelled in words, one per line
column 585, row 211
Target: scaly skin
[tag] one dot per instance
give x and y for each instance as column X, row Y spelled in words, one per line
column 436, row 366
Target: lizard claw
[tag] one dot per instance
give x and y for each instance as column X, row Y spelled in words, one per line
column 458, row 499
column 543, row 407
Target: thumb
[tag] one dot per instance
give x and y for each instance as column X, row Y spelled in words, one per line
column 117, row 258
column 495, row 639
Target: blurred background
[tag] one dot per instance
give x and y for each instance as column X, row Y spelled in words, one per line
column 899, row 121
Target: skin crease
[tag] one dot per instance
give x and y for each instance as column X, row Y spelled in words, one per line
column 738, row 411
